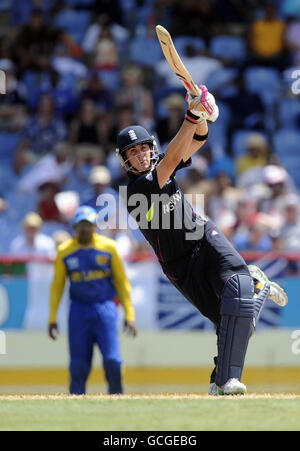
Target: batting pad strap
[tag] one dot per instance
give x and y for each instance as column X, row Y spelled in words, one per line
column 197, row 137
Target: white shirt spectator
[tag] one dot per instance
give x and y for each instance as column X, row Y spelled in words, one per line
column 200, row 68
column 43, row 246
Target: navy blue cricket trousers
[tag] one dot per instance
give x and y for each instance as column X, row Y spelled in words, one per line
column 91, row 324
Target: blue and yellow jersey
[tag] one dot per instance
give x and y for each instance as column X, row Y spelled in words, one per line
column 96, row 273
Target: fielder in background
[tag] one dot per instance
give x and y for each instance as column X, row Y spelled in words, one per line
column 195, row 256
column 96, row 275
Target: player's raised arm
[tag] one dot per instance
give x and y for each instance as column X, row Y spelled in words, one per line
column 191, row 135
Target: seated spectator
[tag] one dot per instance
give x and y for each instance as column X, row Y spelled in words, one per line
column 256, row 238
column 247, row 109
column 167, row 127
column 99, row 180
column 267, row 39
column 35, row 43
column 225, row 196
column 245, row 211
column 46, row 206
column 13, row 111
column 119, row 33
column 196, row 182
column 134, row 93
column 96, row 91
column 256, row 154
column 276, row 179
column 53, row 167
column 194, row 18
column 85, row 127
column 292, row 39
column 32, row 242
column 106, row 52
column 226, row 222
column 290, row 231
column 40, row 135
column 201, row 65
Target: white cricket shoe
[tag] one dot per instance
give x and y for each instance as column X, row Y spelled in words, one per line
column 277, row 294
column 232, row 387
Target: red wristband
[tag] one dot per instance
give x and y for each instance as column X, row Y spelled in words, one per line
column 190, row 117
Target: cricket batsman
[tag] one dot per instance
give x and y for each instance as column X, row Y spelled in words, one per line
column 94, row 268
column 193, row 253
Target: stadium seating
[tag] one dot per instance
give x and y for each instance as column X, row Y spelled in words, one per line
column 145, row 51
column 73, row 22
column 8, row 144
column 220, row 81
column 289, row 112
column 264, row 81
column 181, row 42
column 227, row 47
column 286, row 141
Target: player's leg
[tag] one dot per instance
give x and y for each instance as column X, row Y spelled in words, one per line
column 80, row 347
column 107, row 338
column 277, row 294
column 240, row 311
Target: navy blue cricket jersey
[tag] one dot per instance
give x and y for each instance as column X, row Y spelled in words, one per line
column 164, row 216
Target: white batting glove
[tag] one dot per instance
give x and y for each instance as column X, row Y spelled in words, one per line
column 203, row 106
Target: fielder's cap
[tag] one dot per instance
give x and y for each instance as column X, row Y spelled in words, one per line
column 100, row 174
column 32, row 219
column 130, row 136
column 85, row 213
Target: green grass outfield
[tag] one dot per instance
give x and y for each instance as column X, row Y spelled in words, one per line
column 150, row 412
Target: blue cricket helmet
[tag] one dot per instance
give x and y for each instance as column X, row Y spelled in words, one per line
column 85, row 213
column 129, row 137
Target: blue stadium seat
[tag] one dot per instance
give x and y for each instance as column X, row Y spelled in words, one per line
column 146, row 52
column 8, row 144
column 289, row 112
column 73, row 22
column 239, row 139
column 286, row 142
column 292, row 164
column 220, row 80
column 264, row 81
column 181, row 42
column 228, row 47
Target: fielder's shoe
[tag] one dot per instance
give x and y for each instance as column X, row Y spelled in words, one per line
column 277, row 294
column 232, row 387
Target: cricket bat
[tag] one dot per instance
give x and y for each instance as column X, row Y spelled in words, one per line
column 175, row 62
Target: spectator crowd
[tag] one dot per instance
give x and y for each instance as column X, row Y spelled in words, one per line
column 78, row 71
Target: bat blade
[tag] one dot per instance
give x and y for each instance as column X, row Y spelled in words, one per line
column 174, row 60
